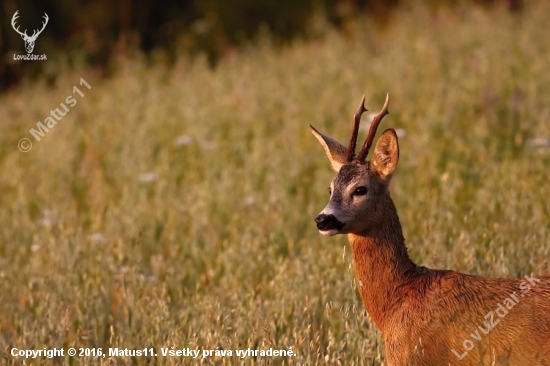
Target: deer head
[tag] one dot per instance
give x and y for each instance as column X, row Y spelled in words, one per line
column 359, row 193
column 29, row 40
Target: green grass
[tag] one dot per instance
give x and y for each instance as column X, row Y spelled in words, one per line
column 219, row 248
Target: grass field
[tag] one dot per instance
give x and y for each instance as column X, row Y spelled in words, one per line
column 174, row 206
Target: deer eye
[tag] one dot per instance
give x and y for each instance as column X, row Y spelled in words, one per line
column 360, row 191
column 329, row 191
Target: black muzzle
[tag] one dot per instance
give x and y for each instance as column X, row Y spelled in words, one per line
column 328, row 222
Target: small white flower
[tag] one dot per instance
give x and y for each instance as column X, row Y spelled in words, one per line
column 250, row 200
column 539, row 142
column 148, row 177
column 400, row 132
column 366, row 120
column 183, row 140
column 98, row 238
column 47, row 219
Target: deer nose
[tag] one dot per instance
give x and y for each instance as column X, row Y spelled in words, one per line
column 328, row 222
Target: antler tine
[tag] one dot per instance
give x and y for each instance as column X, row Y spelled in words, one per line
column 14, row 25
column 372, row 130
column 46, row 18
column 356, row 120
column 14, row 18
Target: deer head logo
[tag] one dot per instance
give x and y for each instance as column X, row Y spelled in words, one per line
column 29, row 40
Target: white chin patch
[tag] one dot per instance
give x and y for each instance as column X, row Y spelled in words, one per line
column 330, row 232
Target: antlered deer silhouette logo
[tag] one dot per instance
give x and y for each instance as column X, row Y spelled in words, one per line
column 29, row 40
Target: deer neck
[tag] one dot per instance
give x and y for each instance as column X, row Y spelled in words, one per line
column 383, row 268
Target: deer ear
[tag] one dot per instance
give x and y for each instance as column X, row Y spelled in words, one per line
column 386, row 153
column 336, row 152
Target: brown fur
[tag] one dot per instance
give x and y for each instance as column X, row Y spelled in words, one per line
column 425, row 314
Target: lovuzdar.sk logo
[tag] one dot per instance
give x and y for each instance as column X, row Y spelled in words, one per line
column 29, row 40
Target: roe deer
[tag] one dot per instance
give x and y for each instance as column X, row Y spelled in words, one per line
column 426, row 316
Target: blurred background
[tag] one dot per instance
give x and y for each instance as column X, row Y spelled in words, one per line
column 96, row 32
column 172, row 203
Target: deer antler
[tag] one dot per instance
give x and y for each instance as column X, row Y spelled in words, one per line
column 46, row 18
column 354, row 131
column 372, row 130
column 24, row 34
column 13, row 19
column 34, row 34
